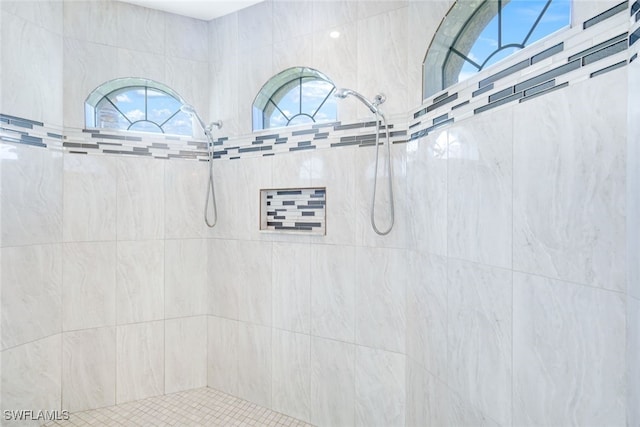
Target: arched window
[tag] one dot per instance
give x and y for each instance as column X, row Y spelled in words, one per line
column 294, row 96
column 476, row 34
column 138, row 105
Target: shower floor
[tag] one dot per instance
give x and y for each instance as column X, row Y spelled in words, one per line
column 200, row 407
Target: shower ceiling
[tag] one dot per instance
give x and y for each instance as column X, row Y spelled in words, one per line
column 200, row 9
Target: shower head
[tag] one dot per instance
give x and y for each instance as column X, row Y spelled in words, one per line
column 190, row 109
column 373, row 106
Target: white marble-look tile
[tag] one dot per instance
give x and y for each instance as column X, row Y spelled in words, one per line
column 334, row 169
column 141, row 28
column 291, row 374
column 86, row 66
column 480, row 337
column 223, row 293
column 292, row 170
column 31, row 377
column 292, row 52
column 568, row 354
column 31, row 70
column 569, row 183
column 141, row 64
column 633, row 364
column 89, row 204
column 381, row 281
column 88, row 285
column 46, row 14
column 88, row 369
column 185, row 363
column 223, row 97
column 186, row 38
column 185, row 282
column 365, row 174
column 633, row 184
column 330, row 14
column 332, row 382
column 255, row 26
column 427, row 398
column 386, row 32
column 291, row 283
column 140, row 199
column 140, row 361
column 254, row 363
column 31, row 199
column 291, row 20
column 93, row 21
column 427, row 289
column 333, row 292
column 380, row 388
column 31, row 293
column 462, row 413
column 223, row 37
column 185, row 194
column 479, row 189
column 376, row 7
column 140, row 281
column 222, row 354
column 250, row 80
column 427, row 193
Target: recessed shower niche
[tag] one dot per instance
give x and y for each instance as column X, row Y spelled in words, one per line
column 293, row 210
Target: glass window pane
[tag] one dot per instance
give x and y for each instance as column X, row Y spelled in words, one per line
column 131, row 101
column 145, row 126
column 300, row 120
column 314, row 92
column 556, row 17
column 273, row 118
column 518, row 17
column 160, row 106
column 287, row 98
column 107, row 116
column 180, row 124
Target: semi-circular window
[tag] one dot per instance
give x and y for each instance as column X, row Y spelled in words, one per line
column 294, row 96
column 138, row 105
column 478, row 33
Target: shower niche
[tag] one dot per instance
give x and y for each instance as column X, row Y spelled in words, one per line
column 293, row 210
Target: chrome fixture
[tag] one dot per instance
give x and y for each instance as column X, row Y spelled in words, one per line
column 211, row 193
column 373, row 106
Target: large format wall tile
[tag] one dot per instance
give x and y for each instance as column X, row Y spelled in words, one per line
column 88, row 369
column 480, row 337
column 139, row 28
column 31, row 293
column 381, row 298
column 380, row 388
column 479, row 206
column 89, row 198
column 186, row 38
column 568, row 354
column 222, row 354
column 46, row 14
column 333, row 303
column 140, row 200
column 185, row 354
column 332, row 382
column 569, row 184
column 223, row 293
column 291, row 373
column 140, row 361
column 254, row 363
column 291, row 287
column 140, row 281
column 89, row 285
column 334, row 169
column 633, row 368
column 31, row 199
column 427, row 289
column 185, row 282
column 427, row 398
column 31, row 377
column 427, row 193
column 91, row 21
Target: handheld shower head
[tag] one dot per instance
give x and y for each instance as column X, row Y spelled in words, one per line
column 373, row 106
column 189, row 109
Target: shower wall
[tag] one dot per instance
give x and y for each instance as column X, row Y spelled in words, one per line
column 498, row 298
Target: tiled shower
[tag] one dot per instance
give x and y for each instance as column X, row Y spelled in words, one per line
column 507, row 293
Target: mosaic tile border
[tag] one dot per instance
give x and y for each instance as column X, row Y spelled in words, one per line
column 583, row 52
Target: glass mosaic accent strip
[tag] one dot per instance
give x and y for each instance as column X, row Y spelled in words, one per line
column 297, row 210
